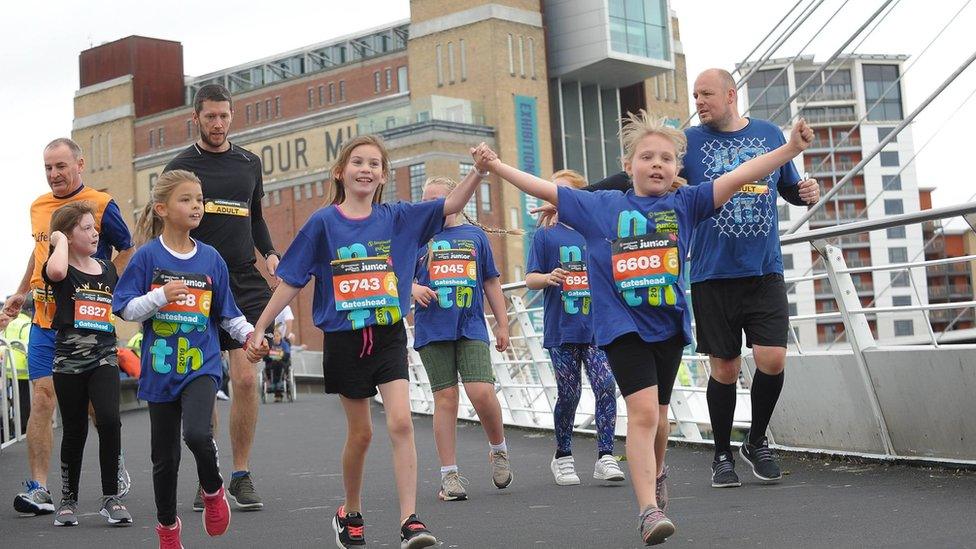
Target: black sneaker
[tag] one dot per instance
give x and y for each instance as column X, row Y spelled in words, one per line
column 414, row 534
column 242, row 493
column 349, row 528
column 723, row 472
column 198, row 500
column 762, row 460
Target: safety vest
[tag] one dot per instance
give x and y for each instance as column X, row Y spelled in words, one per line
column 18, row 331
column 135, row 343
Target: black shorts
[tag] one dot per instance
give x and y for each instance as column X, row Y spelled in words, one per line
column 251, row 293
column 356, row 361
column 637, row 364
column 726, row 307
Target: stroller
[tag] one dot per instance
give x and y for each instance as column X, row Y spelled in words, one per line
column 278, row 378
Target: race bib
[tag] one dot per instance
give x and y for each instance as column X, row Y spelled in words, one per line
column 645, row 261
column 276, row 353
column 577, row 283
column 93, row 311
column 226, row 207
column 364, row 283
column 194, row 309
column 453, row 268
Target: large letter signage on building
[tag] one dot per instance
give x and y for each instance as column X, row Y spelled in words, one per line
column 527, row 141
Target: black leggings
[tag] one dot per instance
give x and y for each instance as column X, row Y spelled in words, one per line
column 194, row 409
column 100, row 386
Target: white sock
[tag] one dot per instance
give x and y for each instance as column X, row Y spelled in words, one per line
column 448, row 469
column 500, row 447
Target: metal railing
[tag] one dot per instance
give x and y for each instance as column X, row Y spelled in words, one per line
column 11, row 423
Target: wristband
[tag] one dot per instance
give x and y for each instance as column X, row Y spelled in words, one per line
column 272, row 253
column 484, row 174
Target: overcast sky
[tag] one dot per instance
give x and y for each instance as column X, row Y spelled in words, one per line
column 40, row 43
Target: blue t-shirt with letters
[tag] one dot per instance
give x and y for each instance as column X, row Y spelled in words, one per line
column 363, row 267
column 455, row 264
column 566, row 309
column 741, row 239
column 181, row 341
column 635, row 247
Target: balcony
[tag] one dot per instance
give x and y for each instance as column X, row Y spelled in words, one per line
column 435, row 107
column 828, row 168
column 950, row 269
column 829, row 118
column 837, row 93
column 854, row 241
column 947, row 315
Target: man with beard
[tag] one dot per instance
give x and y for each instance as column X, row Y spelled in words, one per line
column 737, row 269
column 233, row 224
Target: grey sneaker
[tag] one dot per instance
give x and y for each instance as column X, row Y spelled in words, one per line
column 452, row 487
column 125, row 482
column 654, row 527
column 66, row 513
column 501, row 469
column 198, row 500
column 661, row 489
column 242, row 493
column 114, row 512
column 36, row 500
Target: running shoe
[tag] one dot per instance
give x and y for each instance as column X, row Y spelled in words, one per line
column 66, row 515
column 125, row 481
column 222, row 396
column 216, row 513
column 762, row 460
column 36, row 500
column 452, row 487
column 501, row 470
column 114, row 512
column 169, row 538
column 350, row 529
column 198, row 500
column 654, row 527
column 564, row 471
column 723, row 472
column 607, row 468
column 661, row 489
column 414, row 534
column 243, row 494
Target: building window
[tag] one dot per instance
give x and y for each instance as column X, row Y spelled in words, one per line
column 296, row 192
column 267, row 109
column 889, row 158
column 276, row 197
column 891, row 182
column 485, row 197
column 389, row 79
column 899, row 279
column 464, row 61
column 438, row 51
column 322, row 95
column 257, row 111
column 532, row 57
column 189, row 129
column 471, row 208
column 450, row 62
column 898, row 255
column 787, row 261
column 901, row 300
column 319, row 188
column 792, row 308
column 896, row 232
column 877, row 78
column 403, row 85
column 418, row 174
column 278, row 106
column 894, row 206
column 521, row 56
column 513, row 218
column 377, row 82
column 389, row 189
column 266, row 201
column 162, row 137
column 247, row 114
column 152, row 140
column 783, row 211
column 763, row 107
column 511, row 54
column 640, row 28
column 883, row 132
column 331, row 92
column 904, row 328
column 342, row 90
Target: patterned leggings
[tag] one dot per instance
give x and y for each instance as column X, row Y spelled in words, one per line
column 567, row 361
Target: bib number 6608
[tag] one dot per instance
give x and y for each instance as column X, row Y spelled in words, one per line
column 638, row 263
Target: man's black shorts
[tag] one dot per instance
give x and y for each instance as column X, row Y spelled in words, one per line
column 355, row 362
column 726, row 307
column 637, row 364
column 251, row 293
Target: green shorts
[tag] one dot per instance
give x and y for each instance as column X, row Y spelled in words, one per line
column 444, row 360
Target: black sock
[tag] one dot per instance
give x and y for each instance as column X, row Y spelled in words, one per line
column 604, row 453
column 721, row 408
column 561, row 454
column 765, row 393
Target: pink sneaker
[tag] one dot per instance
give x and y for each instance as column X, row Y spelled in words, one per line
column 169, row 538
column 216, row 513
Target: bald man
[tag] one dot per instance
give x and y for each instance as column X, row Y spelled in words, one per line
column 737, row 270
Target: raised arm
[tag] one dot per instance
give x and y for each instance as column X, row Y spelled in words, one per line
column 526, row 182
column 57, row 264
column 759, row 167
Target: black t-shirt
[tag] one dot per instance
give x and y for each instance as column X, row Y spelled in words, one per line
column 83, row 319
column 617, row 182
column 232, row 190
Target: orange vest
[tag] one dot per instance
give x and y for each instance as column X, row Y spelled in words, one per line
column 40, row 213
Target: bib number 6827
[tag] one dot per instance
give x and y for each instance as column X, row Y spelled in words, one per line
column 92, row 310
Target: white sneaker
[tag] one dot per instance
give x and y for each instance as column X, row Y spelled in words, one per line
column 222, row 396
column 607, row 468
column 564, row 471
